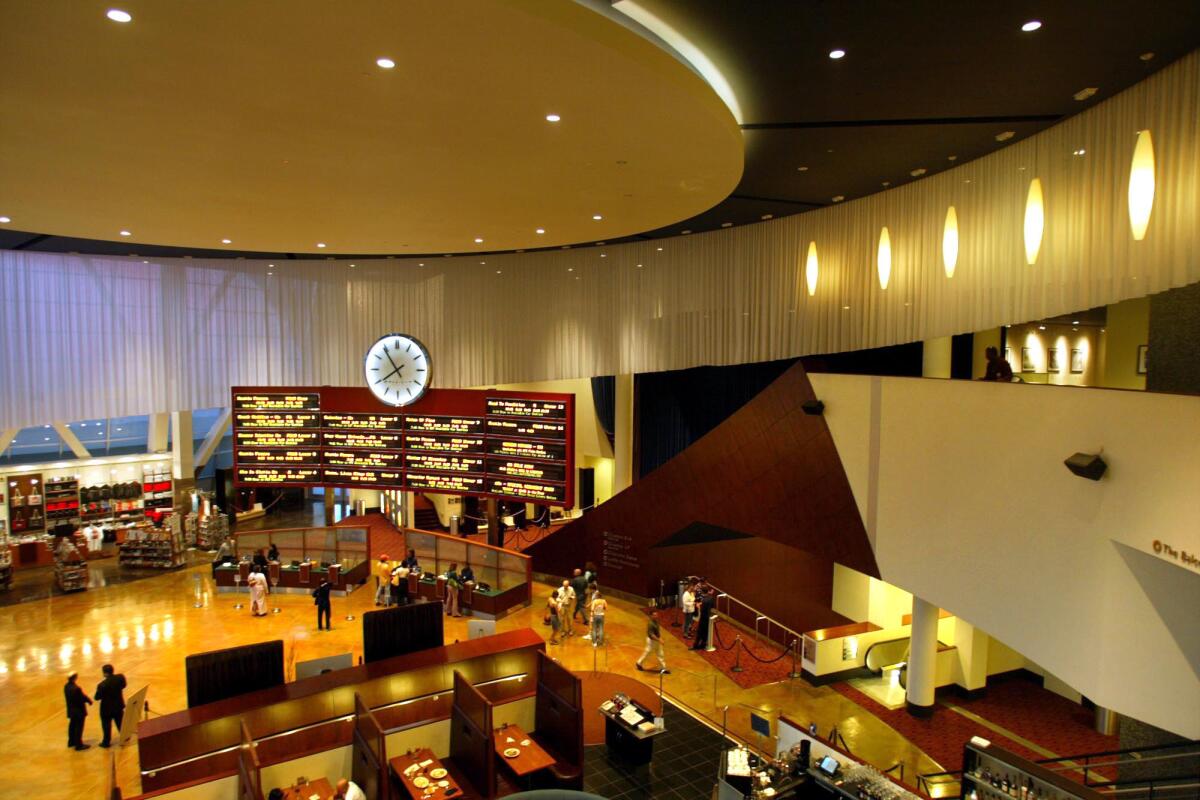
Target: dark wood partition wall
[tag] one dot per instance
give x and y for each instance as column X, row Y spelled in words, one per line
column 558, row 719
column 472, row 753
column 769, row 471
column 390, row 632
column 405, row 690
column 370, row 752
column 219, row 674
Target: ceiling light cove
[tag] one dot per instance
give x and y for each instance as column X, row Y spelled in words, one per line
column 837, row 53
column 117, row 15
column 553, row 118
column 5, row 220
column 540, row 231
column 478, row 240
column 385, row 63
column 321, row 245
column 126, row 233
column 597, row 217
column 227, row 241
column 1031, row 26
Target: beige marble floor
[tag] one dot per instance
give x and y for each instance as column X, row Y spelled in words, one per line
column 147, row 628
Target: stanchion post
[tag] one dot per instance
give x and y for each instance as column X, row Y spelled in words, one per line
column 737, row 654
column 795, row 673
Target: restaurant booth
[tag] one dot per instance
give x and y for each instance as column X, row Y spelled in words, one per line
column 491, row 716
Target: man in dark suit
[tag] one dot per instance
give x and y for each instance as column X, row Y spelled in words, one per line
column 77, row 703
column 324, row 607
column 110, row 693
column 705, row 603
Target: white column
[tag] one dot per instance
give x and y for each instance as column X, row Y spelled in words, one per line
column 156, row 433
column 922, row 658
column 935, row 357
column 972, row 646
column 182, row 459
column 623, row 435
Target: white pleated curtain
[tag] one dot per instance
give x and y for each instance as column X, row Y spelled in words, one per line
column 87, row 337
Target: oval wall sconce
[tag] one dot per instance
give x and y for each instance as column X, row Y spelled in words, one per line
column 810, row 269
column 884, row 258
column 1035, row 221
column 1141, row 185
column 950, row 242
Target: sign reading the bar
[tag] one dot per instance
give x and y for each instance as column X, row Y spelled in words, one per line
column 277, row 475
column 531, row 409
column 455, row 484
column 439, row 463
column 362, row 422
column 304, row 401
column 363, row 441
column 443, row 424
column 532, row 470
column 515, row 448
column 289, row 456
column 433, row 443
column 377, row 459
column 525, row 490
column 527, row 429
column 268, row 438
column 277, row 419
column 336, row 476
column 515, row 445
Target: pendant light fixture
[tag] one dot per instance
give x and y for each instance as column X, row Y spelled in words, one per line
column 1035, row 221
column 950, row 242
column 1141, row 185
column 810, row 269
column 884, row 258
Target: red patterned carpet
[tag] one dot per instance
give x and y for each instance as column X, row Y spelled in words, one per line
column 753, row 654
column 1015, row 704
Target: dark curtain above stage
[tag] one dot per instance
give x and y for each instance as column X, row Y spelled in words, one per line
column 403, row 629
column 226, row 673
column 604, row 400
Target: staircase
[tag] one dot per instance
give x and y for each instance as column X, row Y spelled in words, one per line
column 425, row 516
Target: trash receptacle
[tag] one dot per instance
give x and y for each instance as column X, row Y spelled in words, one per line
column 454, row 522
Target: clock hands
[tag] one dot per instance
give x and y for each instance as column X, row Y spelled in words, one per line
column 389, row 358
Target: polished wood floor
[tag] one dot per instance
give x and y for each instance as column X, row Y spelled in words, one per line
column 146, row 628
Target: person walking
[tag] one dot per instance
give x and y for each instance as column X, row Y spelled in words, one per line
column 599, row 607
column 77, row 703
column 566, row 600
column 110, row 694
column 258, row 593
column 324, row 606
column 653, row 644
column 383, row 580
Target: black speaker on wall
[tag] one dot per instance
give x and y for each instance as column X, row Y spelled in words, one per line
column 814, row 408
column 587, row 488
column 1086, row 465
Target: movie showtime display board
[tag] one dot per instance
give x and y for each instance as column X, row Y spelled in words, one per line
column 510, row 445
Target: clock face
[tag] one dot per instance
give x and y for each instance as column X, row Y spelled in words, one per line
column 397, row 369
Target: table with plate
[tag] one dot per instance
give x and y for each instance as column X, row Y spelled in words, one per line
column 519, row 752
column 317, row 789
column 423, row 775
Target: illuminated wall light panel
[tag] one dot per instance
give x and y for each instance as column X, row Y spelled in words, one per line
column 1035, row 221
column 883, row 259
column 950, row 242
column 810, row 269
column 1141, row 185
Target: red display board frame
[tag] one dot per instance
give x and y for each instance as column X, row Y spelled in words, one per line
column 479, row 442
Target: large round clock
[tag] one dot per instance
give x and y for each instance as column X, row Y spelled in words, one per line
column 397, row 369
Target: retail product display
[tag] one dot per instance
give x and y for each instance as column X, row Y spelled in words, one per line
column 25, row 503
column 70, row 569
column 6, row 568
column 150, row 547
column 992, row 773
column 62, row 499
column 118, row 502
column 156, row 486
column 206, row 533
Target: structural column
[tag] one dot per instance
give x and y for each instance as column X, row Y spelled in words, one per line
column 182, row 456
column 922, row 658
column 623, row 434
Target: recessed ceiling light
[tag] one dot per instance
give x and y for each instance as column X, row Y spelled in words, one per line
column 836, row 54
column 320, row 244
column 766, row 216
column 5, row 220
column 570, row 269
column 1085, row 93
column 540, row 231
column 602, row 255
column 1004, row 136
column 726, row 224
column 1075, row 322
column 1079, row 152
column 482, row 263
column 837, row 198
column 117, row 15
column 1074, row 329
column 497, row 272
column 421, row 264
column 226, row 241
column 1031, row 26
column 1146, row 56
column 269, row 274
column 658, row 248
column 952, row 158
column 145, row 262
column 802, row 169
column 685, row 232
column 553, row 118
column 478, row 240
column 351, row 266
column 1041, row 327
column 639, row 266
column 845, row 308
column 918, row 172
column 597, row 217
column 887, row 184
column 126, row 233
column 270, row 265
column 386, row 63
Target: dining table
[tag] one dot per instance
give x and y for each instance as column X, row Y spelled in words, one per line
column 530, row 756
column 409, row 779
column 318, row 788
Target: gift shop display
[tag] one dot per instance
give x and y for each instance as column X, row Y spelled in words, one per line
column 6, row 559
column 111, row 503
column 149, row 547
column 70, row 568
column 62, row 500
column 26, row 511
column 156, row 487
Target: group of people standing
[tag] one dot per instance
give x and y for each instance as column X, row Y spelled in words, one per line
column 110, row 694
column 698, row 600
column 391, row 579
column 578, row 596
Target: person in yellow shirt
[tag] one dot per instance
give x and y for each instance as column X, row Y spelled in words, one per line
column 383, row 580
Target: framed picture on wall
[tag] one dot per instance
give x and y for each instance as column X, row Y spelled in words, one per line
column 1076, row 361
column 1052, row 360
column 1027, row 364
column 1141, row 359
